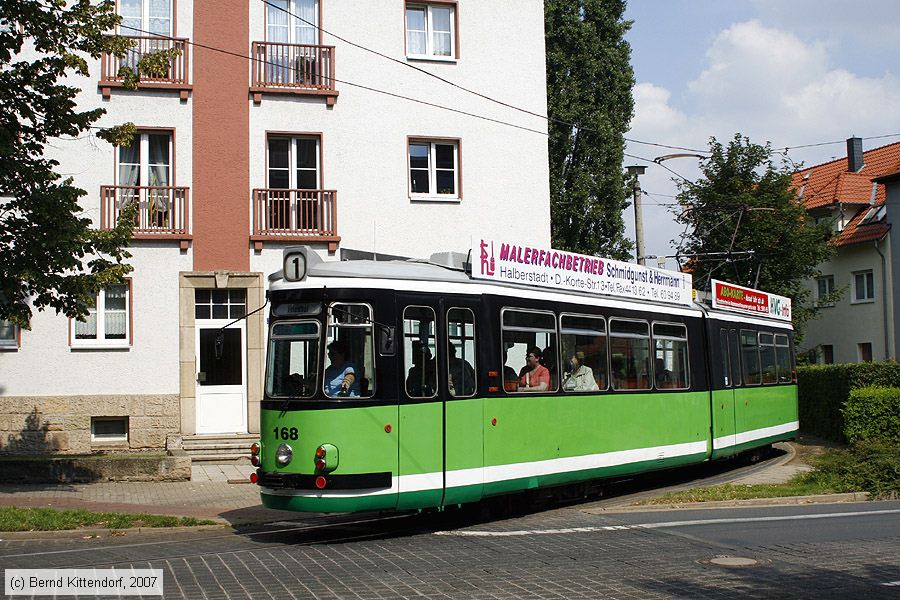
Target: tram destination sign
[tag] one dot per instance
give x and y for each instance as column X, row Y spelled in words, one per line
column 747, row 300
column 498, row 260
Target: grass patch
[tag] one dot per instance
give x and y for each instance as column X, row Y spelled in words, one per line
column 48, row 519
column 871, row 466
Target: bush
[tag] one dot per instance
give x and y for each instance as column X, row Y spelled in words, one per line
column 824, row 389
column 872, row 413
column 870, row 466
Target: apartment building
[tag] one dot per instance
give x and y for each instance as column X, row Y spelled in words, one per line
column 282, row 122
column 850, row 194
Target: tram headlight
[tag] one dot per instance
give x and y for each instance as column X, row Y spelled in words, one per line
column 284, row 454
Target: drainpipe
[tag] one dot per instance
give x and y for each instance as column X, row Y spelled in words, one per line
column 888, row 350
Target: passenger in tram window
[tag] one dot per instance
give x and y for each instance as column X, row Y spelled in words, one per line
column 619, row 381
column 462, row 375
column 664, row 378
column 340, row 376
column 581, row 377
column 510, row 379
column 421, row 381
column 536, row 377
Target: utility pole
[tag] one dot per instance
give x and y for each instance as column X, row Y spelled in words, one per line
column 636, row 171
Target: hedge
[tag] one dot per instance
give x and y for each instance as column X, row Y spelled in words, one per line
column 872, row 413
column 824, row 389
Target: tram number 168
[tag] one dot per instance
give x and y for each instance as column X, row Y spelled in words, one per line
column 286, row 433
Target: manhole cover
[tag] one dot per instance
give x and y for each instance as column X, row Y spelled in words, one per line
column 733, row 561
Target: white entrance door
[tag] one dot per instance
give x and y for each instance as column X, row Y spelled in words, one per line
column 221, row 376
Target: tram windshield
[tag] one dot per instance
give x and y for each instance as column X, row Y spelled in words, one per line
column 293, row 359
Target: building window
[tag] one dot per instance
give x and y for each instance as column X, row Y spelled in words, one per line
column 864, row 351
column 294, row 163
column 220, row 303
column 827, row 354
column 824, row 288
column 431, row 31
column 147, row 161
column 108, row 323
column 434, row 169
column 9, row 335
column 146, row 17
column 292, row 21
column 863, row 286
column 109, row 429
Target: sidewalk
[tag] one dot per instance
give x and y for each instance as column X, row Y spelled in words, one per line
column 208, row 495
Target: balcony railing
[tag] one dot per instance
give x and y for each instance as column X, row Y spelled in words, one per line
column 160, row 212
column 295, row 215
column 176, row 77
column 293, row 68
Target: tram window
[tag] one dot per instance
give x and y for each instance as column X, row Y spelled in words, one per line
column 750, row 357
column 461, row 352
column 783, row 358
column 419, row 352
column 293, row 360
column 350, row 351
column 767, row 358
column 529, row 351
column 670, row 368
column 734, row 355
column 583, row 340
column 629, row 350
column 724, row 361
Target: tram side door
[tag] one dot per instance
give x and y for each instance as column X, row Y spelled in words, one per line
column 723, row 395
column 421, row 408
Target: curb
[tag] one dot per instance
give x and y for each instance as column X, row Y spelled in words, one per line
column 91, row 533
column 782, row 501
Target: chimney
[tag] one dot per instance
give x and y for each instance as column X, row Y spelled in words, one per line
column 855, row 160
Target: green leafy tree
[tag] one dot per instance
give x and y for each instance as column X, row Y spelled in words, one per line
column 745, row 224
column 50, row 256
column 589, row 82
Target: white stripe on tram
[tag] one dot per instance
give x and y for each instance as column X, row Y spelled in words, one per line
column 476, row 476
column 756, row 434
column 664, row 525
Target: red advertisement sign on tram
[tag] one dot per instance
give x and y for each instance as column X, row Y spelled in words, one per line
column 735, row 297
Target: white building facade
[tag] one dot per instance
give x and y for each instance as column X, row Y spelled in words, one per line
column 270, row 131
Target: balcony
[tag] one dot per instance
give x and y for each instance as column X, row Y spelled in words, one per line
column 299, row 69
column 162, row 213
column 294, row 216
column 176, row 79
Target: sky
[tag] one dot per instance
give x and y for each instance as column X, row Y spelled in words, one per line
column 790, row 72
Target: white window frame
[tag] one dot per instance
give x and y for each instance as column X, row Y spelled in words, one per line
column 292, row 159
column 100, row 310
column 432, row 193
column 10, row 344
column 293, row 22
column 829, row 289
column 429, row 31
column 870, row 293
column 145, row 21
column 95, row 438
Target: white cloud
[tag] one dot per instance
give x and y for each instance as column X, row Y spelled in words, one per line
column 768, row 84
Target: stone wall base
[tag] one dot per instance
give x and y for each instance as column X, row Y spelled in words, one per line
column 84, row 469
column 62, row 424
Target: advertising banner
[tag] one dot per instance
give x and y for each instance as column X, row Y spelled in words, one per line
column 560, row 270
column 746, row 300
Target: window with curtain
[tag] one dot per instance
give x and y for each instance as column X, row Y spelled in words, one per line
column 145, row 17
column 292, row 21
column 147, row 163
column 9, row 334
column 431, row 31
column 108, row 320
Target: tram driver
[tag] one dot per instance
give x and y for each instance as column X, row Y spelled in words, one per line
column 340, row 376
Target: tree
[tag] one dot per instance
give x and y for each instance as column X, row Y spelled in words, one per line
column 589, row 81
column 51, row 257
column 744, row 207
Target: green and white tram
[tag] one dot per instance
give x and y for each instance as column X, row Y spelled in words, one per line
column 406, row 385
